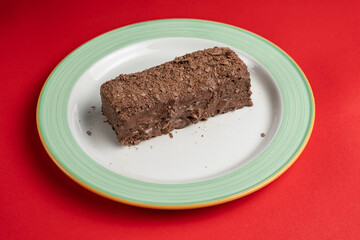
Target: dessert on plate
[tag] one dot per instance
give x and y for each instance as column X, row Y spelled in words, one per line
column 172, row 95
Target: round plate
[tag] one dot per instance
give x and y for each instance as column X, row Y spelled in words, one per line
column 204, row 164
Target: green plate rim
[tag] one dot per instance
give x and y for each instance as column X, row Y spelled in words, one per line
column 285, row 148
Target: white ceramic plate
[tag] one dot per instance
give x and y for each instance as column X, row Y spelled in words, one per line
column 205, row 164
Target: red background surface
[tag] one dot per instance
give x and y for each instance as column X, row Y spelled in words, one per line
column 317, row 198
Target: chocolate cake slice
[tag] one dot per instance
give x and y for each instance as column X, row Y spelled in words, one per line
column 190, row 88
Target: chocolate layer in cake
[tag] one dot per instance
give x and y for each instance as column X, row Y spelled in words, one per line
column 190, row 88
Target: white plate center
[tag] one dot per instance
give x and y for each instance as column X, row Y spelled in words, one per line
column 198, row 152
